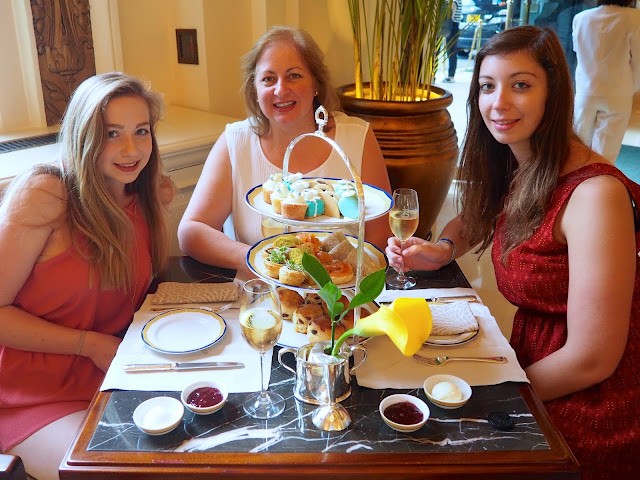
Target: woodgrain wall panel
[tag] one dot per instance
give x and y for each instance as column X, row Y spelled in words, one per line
column 65, row 50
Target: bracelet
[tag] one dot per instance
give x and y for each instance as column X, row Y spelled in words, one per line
column 83, row 334
column 453, row 248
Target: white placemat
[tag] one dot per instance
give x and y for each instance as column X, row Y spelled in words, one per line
column 386, row 367
column 231, row 347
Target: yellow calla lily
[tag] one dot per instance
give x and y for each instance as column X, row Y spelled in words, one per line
column 407, row 322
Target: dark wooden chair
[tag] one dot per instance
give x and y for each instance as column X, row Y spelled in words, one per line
column 11, row 468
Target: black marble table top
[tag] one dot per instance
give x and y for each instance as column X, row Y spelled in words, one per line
column 230, row 430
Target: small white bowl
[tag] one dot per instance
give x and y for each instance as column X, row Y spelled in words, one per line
column 464, row 387
column 158, row 415
column 200, row 384
column 402, row 397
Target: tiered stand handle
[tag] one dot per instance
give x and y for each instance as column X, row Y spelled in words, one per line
column 333, row 416
column 322, row 117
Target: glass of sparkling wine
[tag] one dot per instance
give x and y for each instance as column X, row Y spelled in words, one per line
column 261, row 325
column 403, row 220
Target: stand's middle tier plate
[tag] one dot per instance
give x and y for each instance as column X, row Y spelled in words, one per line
column 377, row 202
column 256, row 255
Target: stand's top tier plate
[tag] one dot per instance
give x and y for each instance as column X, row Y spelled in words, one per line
column 377, row 203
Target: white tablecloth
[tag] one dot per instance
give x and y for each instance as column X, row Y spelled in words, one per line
column 387, row 367
column 232, row 347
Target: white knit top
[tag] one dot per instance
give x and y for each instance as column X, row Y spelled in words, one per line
column 250, row 167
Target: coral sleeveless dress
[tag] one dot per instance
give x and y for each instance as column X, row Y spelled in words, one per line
column 39, row 388
column 602, row 423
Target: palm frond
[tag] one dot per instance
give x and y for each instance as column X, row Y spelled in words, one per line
column 404, row 47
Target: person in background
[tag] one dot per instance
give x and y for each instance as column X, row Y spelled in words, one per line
column 564, row 227
column 606, row 40
column 285, row 80
column 452, row 40
column 79, row 243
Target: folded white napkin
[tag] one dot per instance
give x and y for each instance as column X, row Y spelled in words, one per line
column 387, row 367
column 179, row 293
column 452, row 318
column 231, row 347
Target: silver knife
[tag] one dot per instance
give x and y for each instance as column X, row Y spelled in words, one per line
column 465, row 298
column 160, row 367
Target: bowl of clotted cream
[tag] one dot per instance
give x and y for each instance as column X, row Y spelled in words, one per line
column 447, row 391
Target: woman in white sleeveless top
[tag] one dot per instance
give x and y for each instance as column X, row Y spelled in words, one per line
column 285, row 80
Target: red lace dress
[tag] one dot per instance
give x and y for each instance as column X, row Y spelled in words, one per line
column 602, row 423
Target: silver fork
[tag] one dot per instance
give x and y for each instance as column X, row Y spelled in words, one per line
column 436, row 361
column 219, row 309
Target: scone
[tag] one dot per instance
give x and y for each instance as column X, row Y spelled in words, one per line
column 289, row 301
column 320, row 329
column 313, row 298
column 303, row 315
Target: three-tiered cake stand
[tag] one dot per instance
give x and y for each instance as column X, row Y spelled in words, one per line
column 331, row 416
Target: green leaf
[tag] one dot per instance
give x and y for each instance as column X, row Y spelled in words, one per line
column 315, row 269
column 370, row 288
column 331, row 296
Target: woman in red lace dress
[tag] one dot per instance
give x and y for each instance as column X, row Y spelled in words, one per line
column 564, row 225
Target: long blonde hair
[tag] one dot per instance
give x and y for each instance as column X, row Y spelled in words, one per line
column 91, row 209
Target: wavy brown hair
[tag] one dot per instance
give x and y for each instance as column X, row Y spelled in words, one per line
column 491, row 181
column 90, row 206
column 313, row 58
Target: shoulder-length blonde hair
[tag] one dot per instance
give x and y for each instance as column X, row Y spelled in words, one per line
column 92, row 210
column 492, row 181
column 313, row 58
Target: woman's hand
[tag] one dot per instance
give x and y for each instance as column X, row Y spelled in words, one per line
column 100, row 348
column 418, row 254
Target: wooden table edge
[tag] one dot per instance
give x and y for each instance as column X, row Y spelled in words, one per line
column 556, row 463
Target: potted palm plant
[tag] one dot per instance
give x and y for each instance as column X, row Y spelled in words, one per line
column 398, row 46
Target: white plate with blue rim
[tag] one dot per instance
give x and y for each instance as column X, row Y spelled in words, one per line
column 255, row 259
column 451, row 340
column 377, row 202
column 185, row 330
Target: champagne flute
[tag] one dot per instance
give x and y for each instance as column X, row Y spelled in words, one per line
column 261, row 326
column 403, row 220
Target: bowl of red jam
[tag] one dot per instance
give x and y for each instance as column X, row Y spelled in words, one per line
column 403, row 412
column 204, row 397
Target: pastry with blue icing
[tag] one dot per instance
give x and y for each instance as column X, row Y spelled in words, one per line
column 292, row 178
column 315, row 204
column 348, row 203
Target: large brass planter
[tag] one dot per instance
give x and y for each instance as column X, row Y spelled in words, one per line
column 419, row 145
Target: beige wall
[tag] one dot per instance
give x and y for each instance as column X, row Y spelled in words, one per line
column 138, row 37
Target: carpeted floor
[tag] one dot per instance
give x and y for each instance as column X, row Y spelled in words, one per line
column 629, row 162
